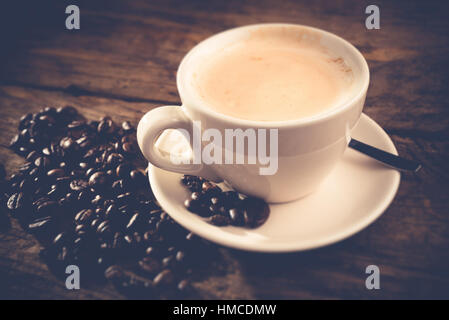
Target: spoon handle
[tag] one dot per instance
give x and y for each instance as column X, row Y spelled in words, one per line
column 385, row 157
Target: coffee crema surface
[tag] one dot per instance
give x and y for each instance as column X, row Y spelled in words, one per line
column 267, row 78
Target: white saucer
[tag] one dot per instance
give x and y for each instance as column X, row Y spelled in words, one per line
column 352, row 197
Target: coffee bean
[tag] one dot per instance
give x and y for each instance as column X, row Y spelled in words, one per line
column 129, row 138
column 16, row 202
column 56, row 173
column 108, row 202
column 32, row 156
column 118, row 242
column 98, row 200
column 42, row 162
column 48, row 208
column 124, row 198
column 215, row 201
column 180, row 256
column 51, row 111
column 90, row 171
column 27, row 186
column 106, row 126
column 114, row 273
column 83, row 165
column 147, row 205
column 85, row 196
column 95, row 223
column 71, row 196
column 135, row 220
column 127, row 127
column 138, row 178
column 76, row 125
column 23, row 151
column 219, row 220
column 84, row 216
column 123, row 170
column 129, row 148
column 84, row 142
column 236, row 217
column 150, row 250
column 99, row 211
column 197, row 196
column 63, row 255
column 129, row 240
column 198, row 204
column 248, row 218
column 41, row 223
column 90, row 154
column 218, row 209
column 112, row 212
column 183, row 285
column 230, row 199
column 48, row 120
column 25, row 120
column 192, row 205
column 46, row 152
column 33, row 173
column 78, row 185
column 26, row 167
column 55, row 149
column 118, row 186
column 81, row 229
column 67, row 144
column 60, row 239
column 150, row 265
column 209, row 187
column 67, row 113
column 165, row 277
column 168, row 262
column 256, row 212
column 98, row 180
column 103, row 226
column 40, row 200
column 137, row 238
column 114, row 159
column 16, row 142
column 63, row 181
column 125, row 208
column 193, row 183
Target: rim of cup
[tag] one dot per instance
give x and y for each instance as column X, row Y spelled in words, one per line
column 196, row 103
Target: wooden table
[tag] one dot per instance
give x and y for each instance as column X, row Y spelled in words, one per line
column 123, row 62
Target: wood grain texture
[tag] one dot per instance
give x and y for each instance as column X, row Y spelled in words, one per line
column 123, row 62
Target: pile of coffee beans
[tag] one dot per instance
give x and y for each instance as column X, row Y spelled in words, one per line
column 223, row 208
column 81, row 192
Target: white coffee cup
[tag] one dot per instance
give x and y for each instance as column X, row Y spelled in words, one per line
column 308, row 148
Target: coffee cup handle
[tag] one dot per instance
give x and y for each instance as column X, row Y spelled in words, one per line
column 151, row 126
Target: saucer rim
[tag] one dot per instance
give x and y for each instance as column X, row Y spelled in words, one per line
column 285, row 246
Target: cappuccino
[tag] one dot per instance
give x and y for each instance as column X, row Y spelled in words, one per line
column 273, row 77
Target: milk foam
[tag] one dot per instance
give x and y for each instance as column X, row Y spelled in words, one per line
column 268, row 78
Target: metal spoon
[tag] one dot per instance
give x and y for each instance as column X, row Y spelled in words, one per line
column 387, row 158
